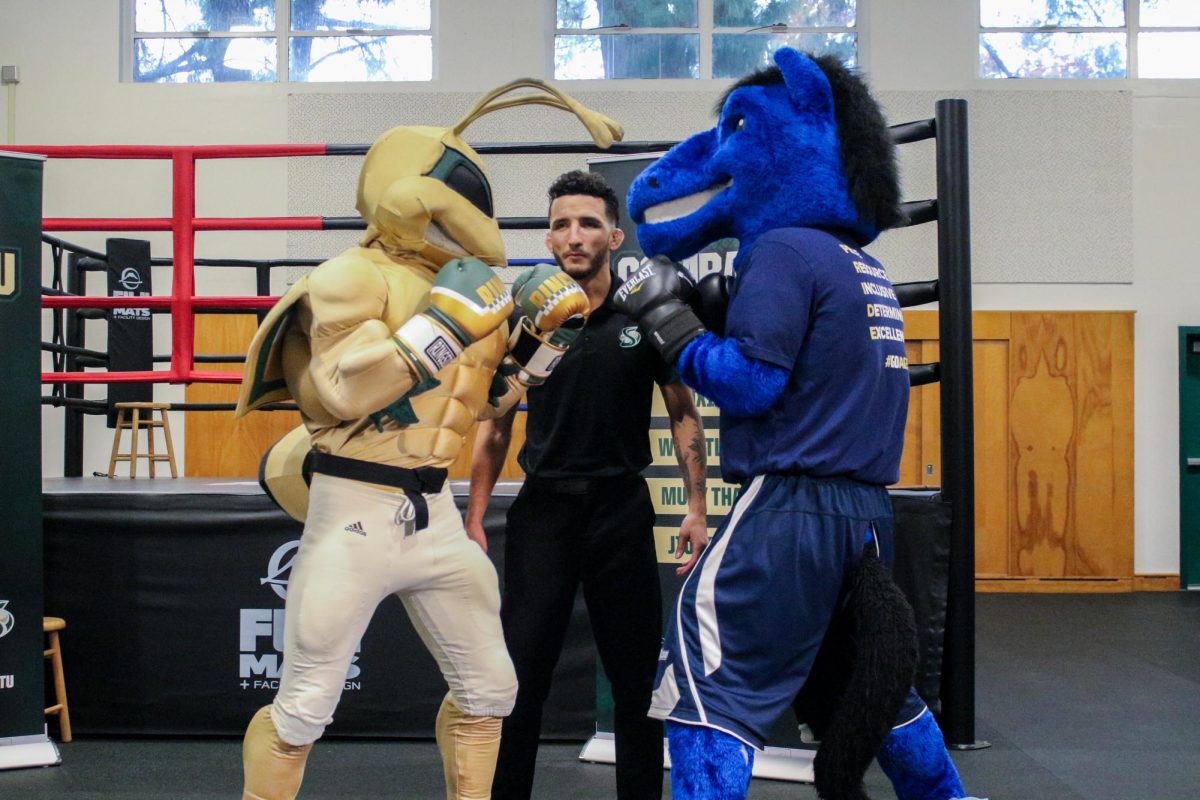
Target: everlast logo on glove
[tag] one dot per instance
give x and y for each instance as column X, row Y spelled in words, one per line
column 634, row 283
column 655, row 298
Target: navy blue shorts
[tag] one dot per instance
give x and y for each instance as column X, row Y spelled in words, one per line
column 750, row 618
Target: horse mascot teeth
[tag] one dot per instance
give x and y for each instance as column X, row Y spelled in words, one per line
column 803, row 350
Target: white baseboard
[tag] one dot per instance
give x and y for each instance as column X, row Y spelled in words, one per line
column 28, row 751
column 773, row 763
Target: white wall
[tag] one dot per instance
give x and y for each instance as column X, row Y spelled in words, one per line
column 70, row 94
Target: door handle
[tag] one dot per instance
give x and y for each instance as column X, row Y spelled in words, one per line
column 1193, row 462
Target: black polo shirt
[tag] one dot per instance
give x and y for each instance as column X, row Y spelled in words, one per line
column 591, row 418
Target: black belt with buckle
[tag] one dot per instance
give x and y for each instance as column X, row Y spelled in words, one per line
column 414, row 482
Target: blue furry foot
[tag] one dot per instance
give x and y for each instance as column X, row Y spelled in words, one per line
column 707, row 764
column 914, row 758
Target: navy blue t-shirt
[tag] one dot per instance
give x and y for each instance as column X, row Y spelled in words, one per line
column 811, row 303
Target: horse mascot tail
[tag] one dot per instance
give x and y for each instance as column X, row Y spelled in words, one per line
column 860, row 680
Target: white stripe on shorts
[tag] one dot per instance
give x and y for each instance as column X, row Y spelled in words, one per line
column 706, row 611
column 706, row 601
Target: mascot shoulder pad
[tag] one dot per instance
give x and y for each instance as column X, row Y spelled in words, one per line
column 346, row 277
column 262, row 379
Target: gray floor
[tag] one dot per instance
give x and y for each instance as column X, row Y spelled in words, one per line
column 1081, row 696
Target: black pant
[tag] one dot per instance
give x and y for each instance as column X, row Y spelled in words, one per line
column 599, row 534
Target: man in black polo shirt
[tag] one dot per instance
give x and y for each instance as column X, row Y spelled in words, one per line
column 584, row 514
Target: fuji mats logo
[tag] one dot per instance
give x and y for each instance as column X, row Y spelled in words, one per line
column 260, row 632
column 279, row 568
column 6, row 619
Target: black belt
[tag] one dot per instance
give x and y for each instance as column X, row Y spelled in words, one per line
column 577, row 485
column 414, row 482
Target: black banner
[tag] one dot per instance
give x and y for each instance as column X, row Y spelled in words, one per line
column 130, row 334
column 922, row 571
column 175, row 607
column 21, row 669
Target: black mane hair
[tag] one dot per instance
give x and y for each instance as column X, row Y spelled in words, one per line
column 868, row 153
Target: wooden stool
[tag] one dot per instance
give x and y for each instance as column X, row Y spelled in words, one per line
column 133, row 425
column 51, row 626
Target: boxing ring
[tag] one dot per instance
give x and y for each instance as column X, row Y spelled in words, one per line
column 144, row 532
column 164, row 554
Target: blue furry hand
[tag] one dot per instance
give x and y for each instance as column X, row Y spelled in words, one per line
column 654, row 297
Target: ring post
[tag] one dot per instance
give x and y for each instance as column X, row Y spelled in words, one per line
column 23, row 740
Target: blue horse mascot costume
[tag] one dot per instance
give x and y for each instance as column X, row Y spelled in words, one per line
column 792, row 604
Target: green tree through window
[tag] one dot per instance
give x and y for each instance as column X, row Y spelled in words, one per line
column 1089, row 38
column 660, row 39
column 348, row 40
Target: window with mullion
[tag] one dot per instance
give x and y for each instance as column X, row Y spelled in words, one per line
column 614, row 39
column 202, row 41
column 1168, row 39
column 601, row 39
column 1105, row 39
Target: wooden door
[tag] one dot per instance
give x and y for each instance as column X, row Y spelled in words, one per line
column 1053, row 444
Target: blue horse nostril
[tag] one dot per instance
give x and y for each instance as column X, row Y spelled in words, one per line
column 653, row 182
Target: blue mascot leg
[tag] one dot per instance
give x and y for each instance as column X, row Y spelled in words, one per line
column 707, row 764
column 914, row 758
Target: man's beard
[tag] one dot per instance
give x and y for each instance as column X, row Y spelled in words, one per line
column 590, row 271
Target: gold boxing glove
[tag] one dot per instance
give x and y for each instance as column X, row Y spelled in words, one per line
column 553, row 311
column 467, row 302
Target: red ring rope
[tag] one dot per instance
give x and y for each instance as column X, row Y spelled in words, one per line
column 183, row 225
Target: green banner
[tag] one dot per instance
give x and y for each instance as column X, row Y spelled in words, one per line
column 21, row 643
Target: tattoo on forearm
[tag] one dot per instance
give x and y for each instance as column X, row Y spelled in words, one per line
column 682, row 459
column 693, row 455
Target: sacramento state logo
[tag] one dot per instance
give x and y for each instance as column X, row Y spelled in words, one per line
column 6, row 619
column 631, row 336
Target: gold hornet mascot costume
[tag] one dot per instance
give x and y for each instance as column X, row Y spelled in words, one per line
column 804, row 354
column 392, row 350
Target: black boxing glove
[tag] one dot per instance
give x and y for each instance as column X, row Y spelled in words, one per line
column 654, row 297
column 710, row 301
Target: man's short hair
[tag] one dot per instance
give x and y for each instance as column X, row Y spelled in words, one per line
column 587, row 183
